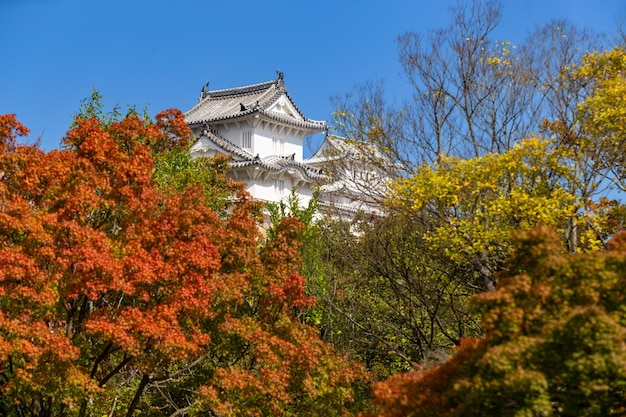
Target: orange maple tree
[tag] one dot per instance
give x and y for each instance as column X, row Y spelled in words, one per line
column 111, row 287
column 553, row 346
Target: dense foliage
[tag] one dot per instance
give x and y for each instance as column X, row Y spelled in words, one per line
column 493, row 138
column 135, row 280
column 553, row 345
column 122, row 290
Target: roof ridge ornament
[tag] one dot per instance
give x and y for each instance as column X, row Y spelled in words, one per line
column 280, row 81
column 204, row 92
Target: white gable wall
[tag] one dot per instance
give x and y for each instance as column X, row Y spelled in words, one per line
column 234, row 134
column 277, row 189
column 284, row 106
column 265, row 140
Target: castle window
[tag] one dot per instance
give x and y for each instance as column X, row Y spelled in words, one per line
column 279, row 146
column 279, row 186
column 246, row 140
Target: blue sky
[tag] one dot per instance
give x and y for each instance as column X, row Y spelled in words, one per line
column 160, row 53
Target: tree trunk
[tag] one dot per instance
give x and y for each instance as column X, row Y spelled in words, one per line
column 142, row 386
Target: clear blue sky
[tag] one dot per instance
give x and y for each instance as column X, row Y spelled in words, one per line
column 159, row 53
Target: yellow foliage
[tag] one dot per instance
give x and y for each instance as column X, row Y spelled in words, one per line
column 472, row 205
column 602, row 115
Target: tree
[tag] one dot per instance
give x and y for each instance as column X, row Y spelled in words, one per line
column 397, row 291
column 470, row 94
column 113, row 286
column 553, row 345
column 488, row 142
column 390, row 313
column 387, row 298
column 469, row 207
column 601, row 116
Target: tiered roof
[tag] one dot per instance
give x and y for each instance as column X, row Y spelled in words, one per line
column 270, row 103
column 242, row 102
column 336, row 147
column 276, row 164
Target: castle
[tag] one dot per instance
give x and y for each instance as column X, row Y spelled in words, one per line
column 263, row 130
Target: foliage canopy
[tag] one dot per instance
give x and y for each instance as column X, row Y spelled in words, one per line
column 122, row 290
column 553, row 345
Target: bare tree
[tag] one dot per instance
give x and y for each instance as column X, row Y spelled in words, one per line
column 470, row 94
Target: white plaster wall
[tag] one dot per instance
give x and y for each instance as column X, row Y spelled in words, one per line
column 262, row 140
column 233, row 135
column 265, row 140
column 266, row 191
column 263, row 145
column 263, row 191
column 294, row 145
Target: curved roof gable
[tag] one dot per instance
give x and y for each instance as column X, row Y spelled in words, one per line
column 211, row 143
column 278, row 164
column 269, row 99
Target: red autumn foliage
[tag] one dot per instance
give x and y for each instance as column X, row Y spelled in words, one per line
column 10, row 129
column 105, row 278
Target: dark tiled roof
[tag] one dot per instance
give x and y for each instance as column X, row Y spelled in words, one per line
column 241, row 102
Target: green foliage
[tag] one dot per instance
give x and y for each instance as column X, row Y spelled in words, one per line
column 386, row 298
column 553, row 345
column 177, row 170
column 292, row 207
column 93, row 107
